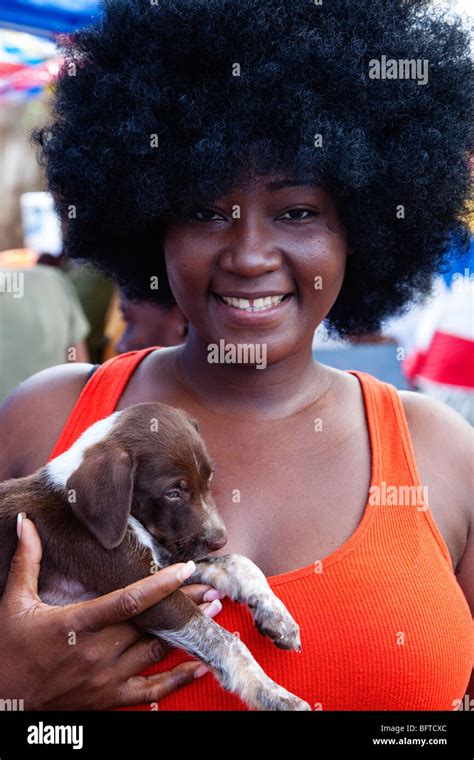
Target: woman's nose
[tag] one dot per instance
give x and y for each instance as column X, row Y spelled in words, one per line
column 250, row 253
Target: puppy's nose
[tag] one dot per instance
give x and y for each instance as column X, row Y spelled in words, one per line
column 216, row 542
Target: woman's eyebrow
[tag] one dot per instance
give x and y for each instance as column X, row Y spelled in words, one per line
column 281, row 183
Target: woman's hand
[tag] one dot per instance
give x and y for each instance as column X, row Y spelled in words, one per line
column 86, row 656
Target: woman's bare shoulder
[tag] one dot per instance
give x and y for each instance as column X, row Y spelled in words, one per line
column 34, row 414
column 443, row 444
column 442, row 440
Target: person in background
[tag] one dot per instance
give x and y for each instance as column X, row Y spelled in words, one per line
column 146, row 324
column 133, row 324
column 41, row 320
column 43, row 230
column 95, row 292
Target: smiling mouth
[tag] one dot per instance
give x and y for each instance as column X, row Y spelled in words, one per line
column 254, row 304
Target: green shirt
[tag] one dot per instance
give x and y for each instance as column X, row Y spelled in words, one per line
column 41, row 319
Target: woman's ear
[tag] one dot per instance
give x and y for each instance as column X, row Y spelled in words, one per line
column 101, row 492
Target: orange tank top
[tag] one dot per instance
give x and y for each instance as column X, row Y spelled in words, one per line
column 384, row 623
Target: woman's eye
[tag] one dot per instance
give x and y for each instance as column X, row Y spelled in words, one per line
column 297, row 214
column 172, row 494
column 204, row 215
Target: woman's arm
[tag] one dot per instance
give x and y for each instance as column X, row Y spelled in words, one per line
column 33, row 416
column 444, row 450
column 465, row 576
column 443, row 444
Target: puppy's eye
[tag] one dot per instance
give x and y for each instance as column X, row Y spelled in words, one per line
column 173, row 494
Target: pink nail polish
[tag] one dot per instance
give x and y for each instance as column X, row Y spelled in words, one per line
column 19, row 522
column 201, row 671
column 213, row 608
column 212, row 594
column 186, row 571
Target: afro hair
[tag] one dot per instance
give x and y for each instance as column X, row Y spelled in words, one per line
column 159, row 105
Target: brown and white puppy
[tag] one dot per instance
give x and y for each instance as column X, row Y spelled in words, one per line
column 131, row 496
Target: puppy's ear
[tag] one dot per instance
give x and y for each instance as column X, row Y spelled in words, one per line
column 193, row 423
column 101, row 490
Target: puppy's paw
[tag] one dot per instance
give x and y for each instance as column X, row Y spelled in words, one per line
column 276, row 698
column 273, row 620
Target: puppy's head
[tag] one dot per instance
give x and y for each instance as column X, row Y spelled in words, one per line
column 148, row 461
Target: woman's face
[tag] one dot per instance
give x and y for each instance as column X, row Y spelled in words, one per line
column 272, row 239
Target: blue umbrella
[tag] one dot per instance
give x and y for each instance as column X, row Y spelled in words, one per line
column 42, row 17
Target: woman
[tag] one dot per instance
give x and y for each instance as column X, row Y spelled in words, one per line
column 245, row 153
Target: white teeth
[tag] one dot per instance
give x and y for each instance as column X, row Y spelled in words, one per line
column 256, row 304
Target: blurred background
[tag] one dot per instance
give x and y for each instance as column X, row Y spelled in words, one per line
column 72, row 313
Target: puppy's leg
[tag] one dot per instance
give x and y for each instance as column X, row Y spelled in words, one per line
column 244, row 582
column 230, row 660
column 176, row 619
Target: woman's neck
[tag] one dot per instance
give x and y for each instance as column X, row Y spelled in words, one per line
column 245, row 391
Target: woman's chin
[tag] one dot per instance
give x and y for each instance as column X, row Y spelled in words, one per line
column 253, row 347
column 256, row 339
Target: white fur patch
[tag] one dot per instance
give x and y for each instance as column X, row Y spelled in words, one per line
column 60, row 469
column 144, row 538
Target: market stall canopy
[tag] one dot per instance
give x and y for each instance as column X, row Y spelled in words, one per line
column 29, row 60
column 28, row 65
column 42, row 17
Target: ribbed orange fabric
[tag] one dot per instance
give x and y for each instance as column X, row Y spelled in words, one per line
column 384, row 623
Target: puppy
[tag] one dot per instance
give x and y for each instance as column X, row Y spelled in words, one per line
column 131, row 496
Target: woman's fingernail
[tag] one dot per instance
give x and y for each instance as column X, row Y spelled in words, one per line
column 19, row 522
column 186, row 571
column 212, row 594
column 213, row 608
column 201, row 671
